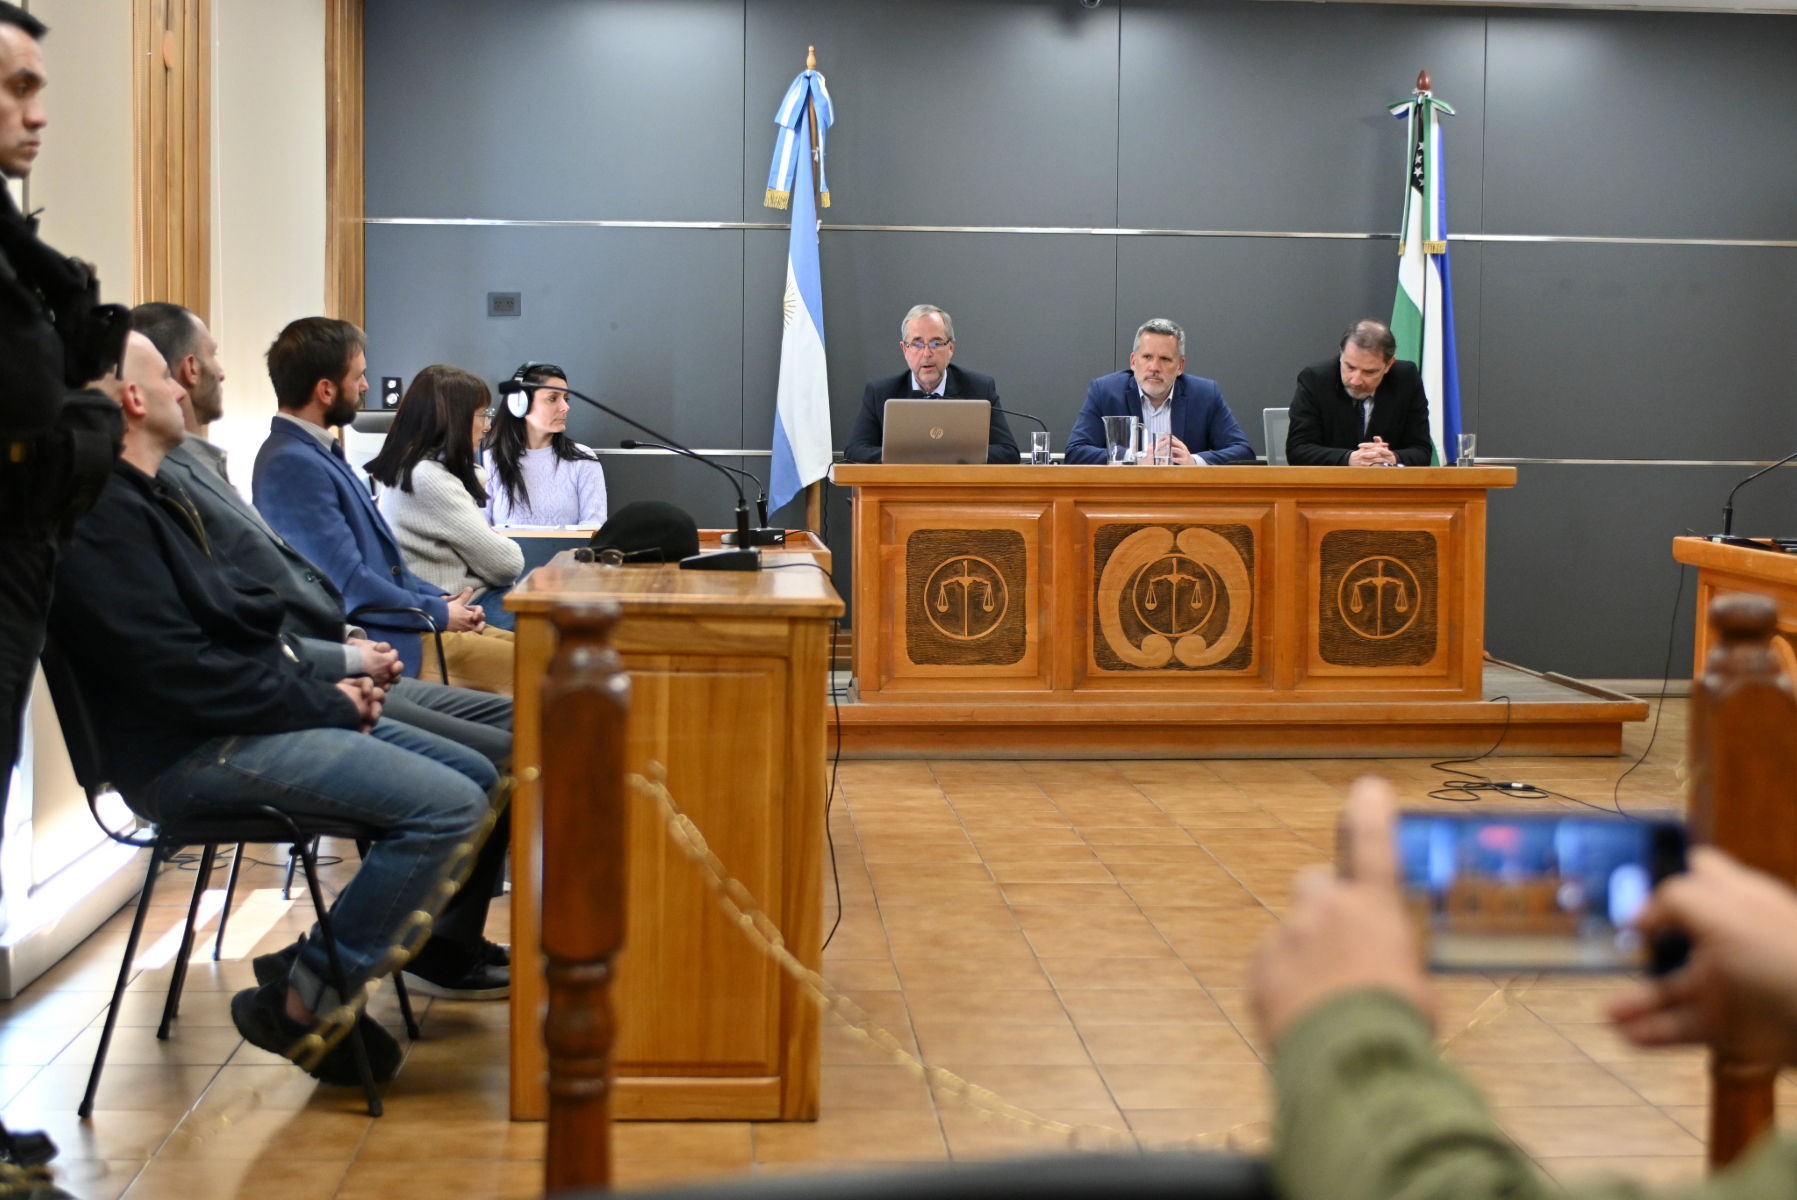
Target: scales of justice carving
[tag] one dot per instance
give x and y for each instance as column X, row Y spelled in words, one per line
column 1167, row 600
column 1376, row 605
column 965, row 598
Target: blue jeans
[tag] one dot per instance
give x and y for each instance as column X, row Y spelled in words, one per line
column 424, row 796
column 492, row 602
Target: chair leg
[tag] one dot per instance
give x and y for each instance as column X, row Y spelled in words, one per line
column 224, row 914
column 287, row 887
column 118, row 991
column 309, row 859
column 178, row 980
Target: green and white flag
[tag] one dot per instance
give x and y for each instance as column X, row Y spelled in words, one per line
column 1422, row 315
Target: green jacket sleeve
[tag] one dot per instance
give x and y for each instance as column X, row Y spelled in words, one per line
column 1368, row 1111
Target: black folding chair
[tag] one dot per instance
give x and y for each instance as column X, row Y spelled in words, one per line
column 239, row 824
column 430, row 627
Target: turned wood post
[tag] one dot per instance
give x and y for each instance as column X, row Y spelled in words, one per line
column 586, row 697
column 1743, row 780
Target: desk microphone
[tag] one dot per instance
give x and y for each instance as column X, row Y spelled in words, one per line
column 762, row 536
column 746, row 559
column 1011, row 412
column 1728, row 509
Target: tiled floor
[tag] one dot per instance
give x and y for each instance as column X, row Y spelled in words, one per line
column 1072, row 936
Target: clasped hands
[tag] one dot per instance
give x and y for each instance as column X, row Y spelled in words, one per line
column 1737, row 992
column 1373, row 454
column 381, row 665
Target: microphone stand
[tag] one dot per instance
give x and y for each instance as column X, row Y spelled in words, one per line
column 1028, row 417
column 1728, row 509
column 760, row 536
column 745, row 559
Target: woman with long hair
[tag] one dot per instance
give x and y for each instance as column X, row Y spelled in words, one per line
column 540, row 475
column 432, row 493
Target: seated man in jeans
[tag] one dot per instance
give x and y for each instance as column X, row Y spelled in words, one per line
column 200, row 704
column 458, row 963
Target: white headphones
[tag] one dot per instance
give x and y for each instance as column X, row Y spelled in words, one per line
column 518, row 403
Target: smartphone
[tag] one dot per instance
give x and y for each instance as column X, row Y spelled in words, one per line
column 1538, row 891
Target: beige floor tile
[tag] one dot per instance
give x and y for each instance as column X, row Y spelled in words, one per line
column 1166, row 1045
column 1661, row 1172
column 137, row 1045
column 226, row 1179
column 491, row 1179
column 1666, row 1082
column 1033, row 894
column 1604, row 1044
column 971, row 1043
column 1091, row 871
column 973, row 1134
column 1188, row 1085
column 1089, row 973
column 96, row 1179
column 1036, row 1088
column 972, row 974
column 430, row 1139
column 1244, row 1130
column 114, row 1135
column 35, row 1045
column 171, row 1088
column 853, row 1135
column 1141, row 1006
column 1535, row 1042
column 1696, row 1118
column 872, row 1086
column 862, row 974
column 1596, row 1131
column 1015, row 1006
column 1509, row 1085
column 915, row 944
column 931, row 919
column 271, row 1134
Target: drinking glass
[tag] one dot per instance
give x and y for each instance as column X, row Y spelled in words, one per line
column 1120, row 440
column 1160, row 451
column 1467, row 441
column 1039, row 447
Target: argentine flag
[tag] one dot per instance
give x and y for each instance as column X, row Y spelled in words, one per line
column 802, row 441
column 1422, row 316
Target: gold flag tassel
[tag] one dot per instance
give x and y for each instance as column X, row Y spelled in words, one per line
column 777, row 199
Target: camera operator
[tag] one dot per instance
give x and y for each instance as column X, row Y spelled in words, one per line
column 60, row 424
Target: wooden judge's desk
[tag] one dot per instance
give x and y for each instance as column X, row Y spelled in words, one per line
column 1723, row 569
column 1097, row 611
column 728, row 675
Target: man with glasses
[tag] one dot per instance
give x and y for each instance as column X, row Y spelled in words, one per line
column 927, row 336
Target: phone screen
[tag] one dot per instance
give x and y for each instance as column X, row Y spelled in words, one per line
column 1535, row 891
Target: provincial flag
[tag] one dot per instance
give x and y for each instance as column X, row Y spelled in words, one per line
column 1422, row 315
column 803, row 446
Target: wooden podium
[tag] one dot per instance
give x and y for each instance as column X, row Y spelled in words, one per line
column 728, row 674
column 1724, row 569
column 1187, row 611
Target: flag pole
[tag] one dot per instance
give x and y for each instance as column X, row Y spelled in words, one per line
column 814, row 491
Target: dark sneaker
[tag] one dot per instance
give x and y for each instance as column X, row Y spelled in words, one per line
column 273, row 968
column 26, row 1147
column 494, row 954
column 260, row 1015
column 482, row 981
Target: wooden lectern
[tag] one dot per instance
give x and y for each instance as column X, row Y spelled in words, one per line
column 727, row 675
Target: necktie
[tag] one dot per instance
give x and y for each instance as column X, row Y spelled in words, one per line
column 1366, row 416
column 337, row 449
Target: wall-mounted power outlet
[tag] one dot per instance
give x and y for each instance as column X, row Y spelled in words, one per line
column 389, row 391
column 505, row 304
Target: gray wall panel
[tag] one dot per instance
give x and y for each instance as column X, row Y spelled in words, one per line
column 1641, row 125
column 1579, row 569
column 630, row 109
column 997, row 113
column 1637, row 352
column 1256, row 311
column 1241, row 116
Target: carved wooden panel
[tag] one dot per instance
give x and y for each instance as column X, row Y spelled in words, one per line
column 965, row 597
column 1173, row 596
column 1380, row 600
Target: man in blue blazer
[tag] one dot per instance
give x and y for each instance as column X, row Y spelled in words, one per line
column 1181, row 411
column 307, row 491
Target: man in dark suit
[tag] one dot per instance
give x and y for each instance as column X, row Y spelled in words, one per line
column 927, row 336
column 314, row 499
column 1184, row 414
column 1363, row 409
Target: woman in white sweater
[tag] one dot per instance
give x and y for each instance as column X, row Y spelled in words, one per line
column 432, row 493
column 539, row 475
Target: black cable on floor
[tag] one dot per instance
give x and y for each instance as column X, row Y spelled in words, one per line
column 1477, row 785
column 1665, row 682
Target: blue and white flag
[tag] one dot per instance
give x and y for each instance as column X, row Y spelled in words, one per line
column 803, row 446
column 1422, row 315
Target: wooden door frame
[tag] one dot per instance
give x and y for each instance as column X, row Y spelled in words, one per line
column 171, row 93
column 344, row 295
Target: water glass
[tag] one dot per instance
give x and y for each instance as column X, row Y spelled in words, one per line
column 1159, row 452
column 1039, row 448
column 1467, row 441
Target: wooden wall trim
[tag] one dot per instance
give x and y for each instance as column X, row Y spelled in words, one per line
column 343, row 266
column 171, row 42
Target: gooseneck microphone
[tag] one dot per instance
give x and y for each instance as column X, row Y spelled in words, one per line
column 1011, row 412
column 762, row 536
column 744, row 559
column 1728, row 509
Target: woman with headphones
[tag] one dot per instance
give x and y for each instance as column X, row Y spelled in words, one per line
column 538, row 474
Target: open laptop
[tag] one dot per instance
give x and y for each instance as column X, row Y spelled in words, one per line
column 936, row 431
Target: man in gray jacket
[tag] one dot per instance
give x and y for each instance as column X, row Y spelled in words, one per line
column 458, row 963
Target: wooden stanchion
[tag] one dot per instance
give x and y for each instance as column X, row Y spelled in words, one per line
column 1743, row 799
column 585, row 698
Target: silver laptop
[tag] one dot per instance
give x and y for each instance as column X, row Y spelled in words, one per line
column 936, row 431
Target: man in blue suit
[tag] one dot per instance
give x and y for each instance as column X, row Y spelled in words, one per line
column 1181, row 412
column 306, row 490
